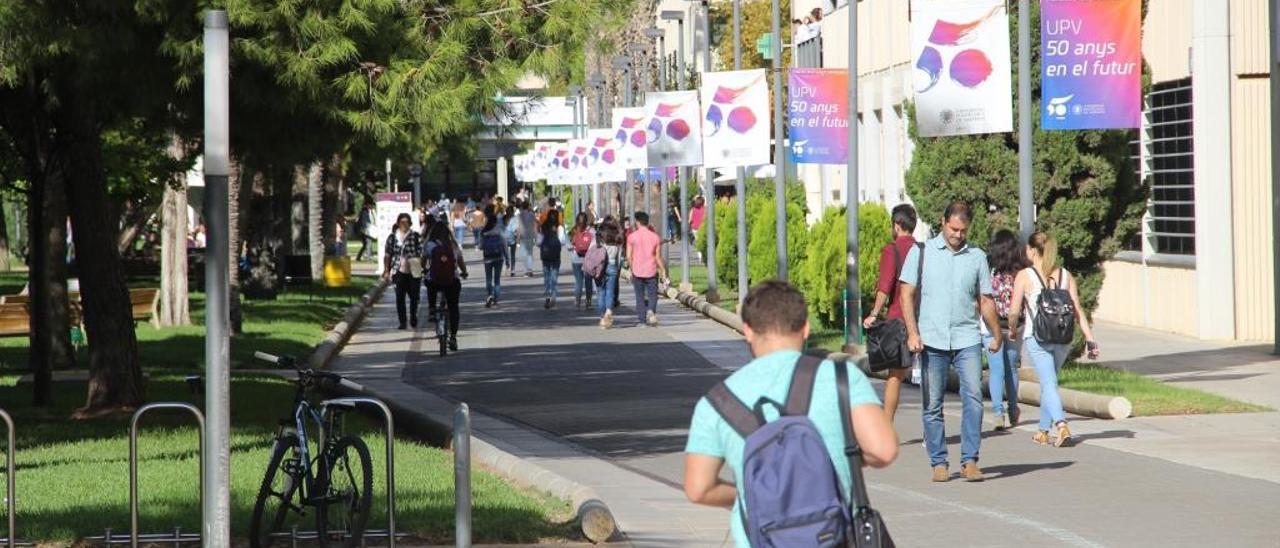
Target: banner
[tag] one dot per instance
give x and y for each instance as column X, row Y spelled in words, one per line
column 818, row 115
column 735, row 116
column 559, row 174
column 672, row 134
column 963, row 79
column 540, row 163
column 1091, row 64
column 629, row 138
column 603, row 157
column 579, row 172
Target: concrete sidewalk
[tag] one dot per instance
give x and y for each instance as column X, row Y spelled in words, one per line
column 610, row 409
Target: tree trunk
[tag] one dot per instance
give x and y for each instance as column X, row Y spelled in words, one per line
column 115, row 379
column 49, row 312
column 5, row 264
column 173, row 310
column 331, row 202
column 315, row 220
column 233, row 238
column 133, row 219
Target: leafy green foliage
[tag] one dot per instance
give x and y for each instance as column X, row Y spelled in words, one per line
column 822, row 275
column 757, row 21
column 1086, row 193
column 727, row 243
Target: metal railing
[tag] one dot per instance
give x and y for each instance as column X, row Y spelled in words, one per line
column 9, row 480
column 177, row 537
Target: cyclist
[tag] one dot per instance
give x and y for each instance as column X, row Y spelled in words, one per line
column 444, row 264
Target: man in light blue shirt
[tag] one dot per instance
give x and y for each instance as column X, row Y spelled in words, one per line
column 956, row 284
column 776, row 323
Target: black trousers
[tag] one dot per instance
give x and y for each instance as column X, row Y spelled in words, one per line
column 452, row 294
column 406, row 286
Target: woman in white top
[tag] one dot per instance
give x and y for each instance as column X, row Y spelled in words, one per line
column 1042, row 251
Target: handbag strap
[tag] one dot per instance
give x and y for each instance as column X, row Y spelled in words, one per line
column 853, row 451
column 919, row 280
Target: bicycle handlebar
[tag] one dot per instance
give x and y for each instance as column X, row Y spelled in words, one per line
column 320, row 377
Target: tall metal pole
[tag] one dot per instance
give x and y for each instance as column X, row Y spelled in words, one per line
column 1026, row 204
column 662, row 209
column 709, row 221
column 628, row 99
column 1275, row 168
column 853, row 312
column 216, row 503
column 683, row 175
column 779, row 140
column 740, row 186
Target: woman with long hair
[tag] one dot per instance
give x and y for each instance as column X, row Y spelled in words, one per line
column 610, row 238
column 1007, row 258
column 550, row 244
column 1044, row 273
column 402, row 262
column 582, row 237
column 493, row 246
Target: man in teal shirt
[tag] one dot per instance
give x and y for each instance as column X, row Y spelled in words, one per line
column 776, row 323
column 957, row 282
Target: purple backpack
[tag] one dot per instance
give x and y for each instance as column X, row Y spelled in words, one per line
column 789, row 493
column 594, row 261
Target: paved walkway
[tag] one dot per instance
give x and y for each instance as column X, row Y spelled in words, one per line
column 610, row 409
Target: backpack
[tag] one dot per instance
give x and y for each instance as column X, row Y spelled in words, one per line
column 595, row 261
column 790, row 494
column 582, row 242
column 550, row 248
column 1055, row 321
column 444, row 266
column 491, row 245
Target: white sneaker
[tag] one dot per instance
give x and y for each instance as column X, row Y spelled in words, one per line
column 651, row 319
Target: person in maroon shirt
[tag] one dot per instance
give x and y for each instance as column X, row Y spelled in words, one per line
column 891, row 259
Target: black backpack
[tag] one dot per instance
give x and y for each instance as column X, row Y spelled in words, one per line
column 1055, row 321
column 887, row 340
column 550, row 248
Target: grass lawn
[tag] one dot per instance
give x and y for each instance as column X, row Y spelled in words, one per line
column 289, row 325
column 1149, row 396
column 698, row 278
column 73, row 476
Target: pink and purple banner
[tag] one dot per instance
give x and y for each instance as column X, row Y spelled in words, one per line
column 818, row 115
column 1091, row 64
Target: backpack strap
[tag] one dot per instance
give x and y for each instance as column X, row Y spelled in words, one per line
column 734, row 412
column 801, row 391
column 858, row 491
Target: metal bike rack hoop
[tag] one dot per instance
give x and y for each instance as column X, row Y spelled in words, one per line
column 9, row 490
column 390, row 448
column 133, row 457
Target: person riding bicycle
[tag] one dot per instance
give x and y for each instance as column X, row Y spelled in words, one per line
column 445, row 270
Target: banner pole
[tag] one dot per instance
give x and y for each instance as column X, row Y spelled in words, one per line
column 853, row 300
column 1026, row 204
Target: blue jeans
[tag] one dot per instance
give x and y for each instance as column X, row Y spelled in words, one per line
column 646, row 296
column 968, row 365
column 550, row 277
column 1004, row 375
column 493, row 278
column 608, row 288
column 581, row 282
column 1046, row 358
column 459, row 233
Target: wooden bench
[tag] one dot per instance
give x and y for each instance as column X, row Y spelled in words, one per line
column 143, row 302
column 14, row 320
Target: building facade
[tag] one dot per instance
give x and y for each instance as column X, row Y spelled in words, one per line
column 1203, row 264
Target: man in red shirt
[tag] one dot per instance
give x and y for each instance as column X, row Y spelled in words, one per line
column 891, row 259
column 646, row 265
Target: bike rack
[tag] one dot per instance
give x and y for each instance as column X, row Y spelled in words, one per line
column 9, row 494
column 177, row 537
column 390, row 532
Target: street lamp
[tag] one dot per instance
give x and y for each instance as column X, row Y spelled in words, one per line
column 623, row 63
column 678, row 17
column 597, row 83
column 641, row 52
column 660, row 206
column 574, row 100
column 712, row 295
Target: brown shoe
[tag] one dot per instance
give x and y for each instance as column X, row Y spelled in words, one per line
column 1041, row 437
column 940, row 473
column 1064, row 434
column 970, row 471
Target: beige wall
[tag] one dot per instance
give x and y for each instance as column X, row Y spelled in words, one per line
column 1251, row 208
column 1166, row 39
column 1154, row 297
column 1249, row 52
column 883, row 34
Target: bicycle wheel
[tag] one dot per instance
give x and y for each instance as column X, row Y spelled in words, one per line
column 275, row 497
column 348, row 493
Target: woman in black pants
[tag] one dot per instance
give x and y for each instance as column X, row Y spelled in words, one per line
column 402, row 263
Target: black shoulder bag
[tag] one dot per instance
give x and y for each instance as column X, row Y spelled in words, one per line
column 887, row 340
column 866, row 528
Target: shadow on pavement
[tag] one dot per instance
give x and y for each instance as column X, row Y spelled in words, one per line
column 1010, row 470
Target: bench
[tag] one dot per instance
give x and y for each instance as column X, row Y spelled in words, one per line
column 14, row 320
column 143, row 302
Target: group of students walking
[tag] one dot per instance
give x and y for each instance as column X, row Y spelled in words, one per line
column 951, row 305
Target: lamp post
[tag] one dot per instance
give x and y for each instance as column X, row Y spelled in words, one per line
column 660, row 204
column 853, row 312
column 740, row 185
column 623, row 63
column 1026, row 207
column 709, row 218
column 597, row 83
column 216, row 466
column 779, row 140
column 678, row 17
column 572, row 101
column 640, row 52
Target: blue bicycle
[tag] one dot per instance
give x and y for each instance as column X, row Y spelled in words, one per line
column 337, row 481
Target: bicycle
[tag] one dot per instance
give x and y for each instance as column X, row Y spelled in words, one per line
column 337, row 481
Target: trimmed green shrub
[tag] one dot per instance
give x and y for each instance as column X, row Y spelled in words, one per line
column 762, row 252
column 727, row 243
column 822, row 276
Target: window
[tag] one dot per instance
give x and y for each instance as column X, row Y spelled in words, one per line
column 1172, row 170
